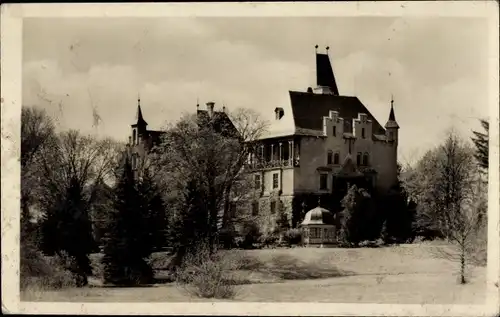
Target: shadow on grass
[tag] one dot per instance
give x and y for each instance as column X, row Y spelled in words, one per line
column 287, row 267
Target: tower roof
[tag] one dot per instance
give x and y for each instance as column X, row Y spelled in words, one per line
column 139, row 119
column 324, row 73
column 391, row 123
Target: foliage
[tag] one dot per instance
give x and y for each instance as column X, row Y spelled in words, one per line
column 44, row 273
column 282, row 221
column 251, row 234
column 350, row 217
column 447, row 188
column 70, row 168
column 67, row 228
column 154, row 212
column 207, row 275
column 293, row 236
column 480, row 140
column 200, row 163
column 127, row 241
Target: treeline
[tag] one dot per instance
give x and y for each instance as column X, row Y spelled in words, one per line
column 81, row 196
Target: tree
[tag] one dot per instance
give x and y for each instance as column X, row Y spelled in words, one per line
column 349, row 217
column 72, row 167
column 480, row 140
column 201, row 162
column 126, row 244
column 154, row 209
column 37, row 130
column 445, row 187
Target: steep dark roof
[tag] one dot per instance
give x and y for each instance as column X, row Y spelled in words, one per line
column 309, row 109
column 155, row 136
column 391, row 123
column 140, row 119
column 324, row 73
column 221, row 122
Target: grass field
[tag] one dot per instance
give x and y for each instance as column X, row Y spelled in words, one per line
column 410, row 274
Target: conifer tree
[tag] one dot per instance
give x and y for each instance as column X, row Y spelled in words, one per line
column 125, row 246
column 67, row 229
column 480, row 140
column 155, row 218
column 349, row 217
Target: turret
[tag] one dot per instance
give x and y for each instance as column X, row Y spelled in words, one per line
column 138, row 128
column 392, row 127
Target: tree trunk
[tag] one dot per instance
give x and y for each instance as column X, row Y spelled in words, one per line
column 462, row 264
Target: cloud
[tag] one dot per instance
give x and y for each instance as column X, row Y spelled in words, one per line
column 435, row 68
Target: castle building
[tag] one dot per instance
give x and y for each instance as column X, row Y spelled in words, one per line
column 143, row 140
column 319, row 145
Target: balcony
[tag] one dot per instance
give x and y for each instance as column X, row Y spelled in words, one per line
column 272, row 164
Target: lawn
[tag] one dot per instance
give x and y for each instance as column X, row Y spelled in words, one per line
column 411, row 274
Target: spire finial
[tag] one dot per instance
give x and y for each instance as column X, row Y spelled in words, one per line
column 197, row 102
column 327, row 48
column 316, row 48
column 139, row 99
column 392, row 100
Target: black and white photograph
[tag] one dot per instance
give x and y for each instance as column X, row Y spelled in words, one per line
column 236, row 158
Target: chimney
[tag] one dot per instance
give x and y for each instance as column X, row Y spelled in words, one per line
column 210, row 108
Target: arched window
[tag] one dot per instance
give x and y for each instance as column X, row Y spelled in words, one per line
column 365, row 159
column 329, row 158
column 336, row 158
column 358, row 159
column 334, row 130
column 134, row 137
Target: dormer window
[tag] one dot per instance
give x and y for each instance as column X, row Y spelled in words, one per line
column 279, row 112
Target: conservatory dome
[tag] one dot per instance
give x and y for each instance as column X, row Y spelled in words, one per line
column 318, row 216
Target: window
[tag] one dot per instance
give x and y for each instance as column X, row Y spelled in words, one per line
column 314, row 233
column 365, row 159
column 391, row 135
column 329, row 158
column 134, row 162
column 275, row 181
column 134, row 137
column 273, row 207
column 358, row 159
column 255, row 208
column 363, row 133
column 257, row 182
column 323, row 181
column 336, row 158
column 334, row 130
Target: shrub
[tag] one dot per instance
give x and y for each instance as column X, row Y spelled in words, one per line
column 269, row 240
column 251, row 235
column 45, row 273
column 207, row 276
column 292, row 237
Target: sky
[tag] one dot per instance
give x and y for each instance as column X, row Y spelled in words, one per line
column 436, row 69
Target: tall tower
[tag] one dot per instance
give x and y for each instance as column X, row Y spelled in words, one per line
column 392, row 127
column 392, row 134
column 138, row 128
